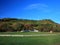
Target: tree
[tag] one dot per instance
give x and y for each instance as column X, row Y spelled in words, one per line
column 5, row 27
column 18, row 26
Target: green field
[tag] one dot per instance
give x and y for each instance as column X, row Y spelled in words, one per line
column 30, row 40
column 24, row 33
column 28, row 33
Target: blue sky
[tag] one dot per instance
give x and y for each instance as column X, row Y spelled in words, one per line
column 30, row 9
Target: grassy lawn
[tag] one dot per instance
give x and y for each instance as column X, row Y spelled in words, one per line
column 28, row 33
column 24, row 33
column 33, row 40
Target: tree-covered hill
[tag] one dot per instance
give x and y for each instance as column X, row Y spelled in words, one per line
column 14, row 24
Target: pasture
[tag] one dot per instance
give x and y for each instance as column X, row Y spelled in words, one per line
column 37, row 38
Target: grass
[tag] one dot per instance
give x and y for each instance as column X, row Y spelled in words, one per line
column 27, row 33
column 33, row 40
column 23, row 33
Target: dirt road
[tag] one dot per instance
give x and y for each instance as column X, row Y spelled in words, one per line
column 26, row 35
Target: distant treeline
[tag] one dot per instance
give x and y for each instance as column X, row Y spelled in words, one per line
column 13, row 25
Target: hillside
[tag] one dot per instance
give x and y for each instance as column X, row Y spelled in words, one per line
column 13, row 24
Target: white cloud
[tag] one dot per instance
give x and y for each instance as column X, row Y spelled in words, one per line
column 38, row 6
column 34, row 6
